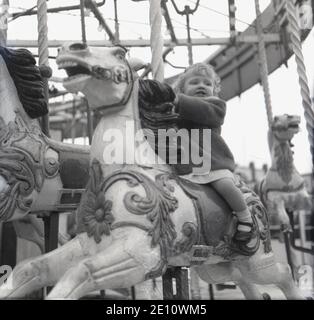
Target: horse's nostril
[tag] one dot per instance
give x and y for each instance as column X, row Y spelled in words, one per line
column 78, row 46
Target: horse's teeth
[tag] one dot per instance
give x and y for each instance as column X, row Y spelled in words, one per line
column 66, row 64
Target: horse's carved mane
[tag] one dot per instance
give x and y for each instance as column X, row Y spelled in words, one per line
column 27, row 79
column 157, row 113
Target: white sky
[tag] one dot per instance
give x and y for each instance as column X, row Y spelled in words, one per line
column 245, row 127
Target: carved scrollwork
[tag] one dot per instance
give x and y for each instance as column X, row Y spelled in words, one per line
column 21, row 166
column 259, row 214
column 157, row 205
column 17, row 169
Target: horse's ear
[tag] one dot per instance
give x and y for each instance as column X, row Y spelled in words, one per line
column 137, row 64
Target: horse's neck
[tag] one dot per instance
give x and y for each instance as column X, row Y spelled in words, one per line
column 281, row 153
column 282, row 160
column 114, row 140
column 10, row 104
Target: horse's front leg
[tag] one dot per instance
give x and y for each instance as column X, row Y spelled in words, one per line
column 125, row 263
column 35, row 273
column 282, row 214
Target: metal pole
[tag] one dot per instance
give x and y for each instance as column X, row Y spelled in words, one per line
column 83, row 21
column 213, row 41
column 262, row 63
column 84, row 40
column 73, row 123
column 211, row 292
column 116, row 22
column 232, row 20
column 190, row 51
column 90, row 125
column 302, row 231
column 286, row 235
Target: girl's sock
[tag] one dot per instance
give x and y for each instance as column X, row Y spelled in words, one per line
column 244, row 216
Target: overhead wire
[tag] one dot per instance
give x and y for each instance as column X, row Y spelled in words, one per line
column 182, row 25
column 224, row 14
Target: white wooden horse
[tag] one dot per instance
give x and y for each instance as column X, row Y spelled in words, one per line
column 34, row 170
column 283, row 188
column 136, row 218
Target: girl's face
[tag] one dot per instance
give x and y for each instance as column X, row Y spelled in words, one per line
column 199, row 86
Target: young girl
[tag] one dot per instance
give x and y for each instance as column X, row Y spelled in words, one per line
column 198, row 105
column 195, row 96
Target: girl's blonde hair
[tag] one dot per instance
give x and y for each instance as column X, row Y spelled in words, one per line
column 200, row 68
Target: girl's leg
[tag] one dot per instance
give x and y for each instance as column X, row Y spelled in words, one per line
column 233, row 195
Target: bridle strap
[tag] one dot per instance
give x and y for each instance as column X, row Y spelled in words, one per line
column 108, row 74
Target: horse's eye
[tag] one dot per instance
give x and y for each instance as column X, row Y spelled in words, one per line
column 120, row 56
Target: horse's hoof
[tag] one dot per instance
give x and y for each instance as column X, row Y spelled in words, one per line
column 266, row 296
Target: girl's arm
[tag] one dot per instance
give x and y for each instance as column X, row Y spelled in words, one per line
column 155, row 92
column 207, row 111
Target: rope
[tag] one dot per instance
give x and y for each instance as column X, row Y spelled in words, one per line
column 43, row 54
column 262, row 63
column 303, row 81
column 156, row 40
column 42, row 33
column 4, row 8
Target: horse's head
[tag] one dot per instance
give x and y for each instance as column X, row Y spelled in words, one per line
column 103, row 75
column 284, row 127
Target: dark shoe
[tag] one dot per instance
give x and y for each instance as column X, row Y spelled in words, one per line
column 244, row 236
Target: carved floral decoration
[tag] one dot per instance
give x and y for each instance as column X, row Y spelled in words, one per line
column 98, row 217
column 95, row 210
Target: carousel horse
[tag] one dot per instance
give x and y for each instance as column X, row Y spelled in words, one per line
column 136, row 216
column 37, row 174
column 283, row 189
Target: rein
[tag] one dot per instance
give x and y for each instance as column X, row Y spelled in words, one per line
column 109, row 74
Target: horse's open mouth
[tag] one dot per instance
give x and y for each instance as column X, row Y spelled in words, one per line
column 294, row 125
column 73, row 69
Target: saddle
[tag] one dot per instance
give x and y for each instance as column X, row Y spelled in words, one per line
column 218, row 223
column 74, row 170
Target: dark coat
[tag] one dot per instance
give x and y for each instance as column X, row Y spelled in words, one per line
column 198, row 113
